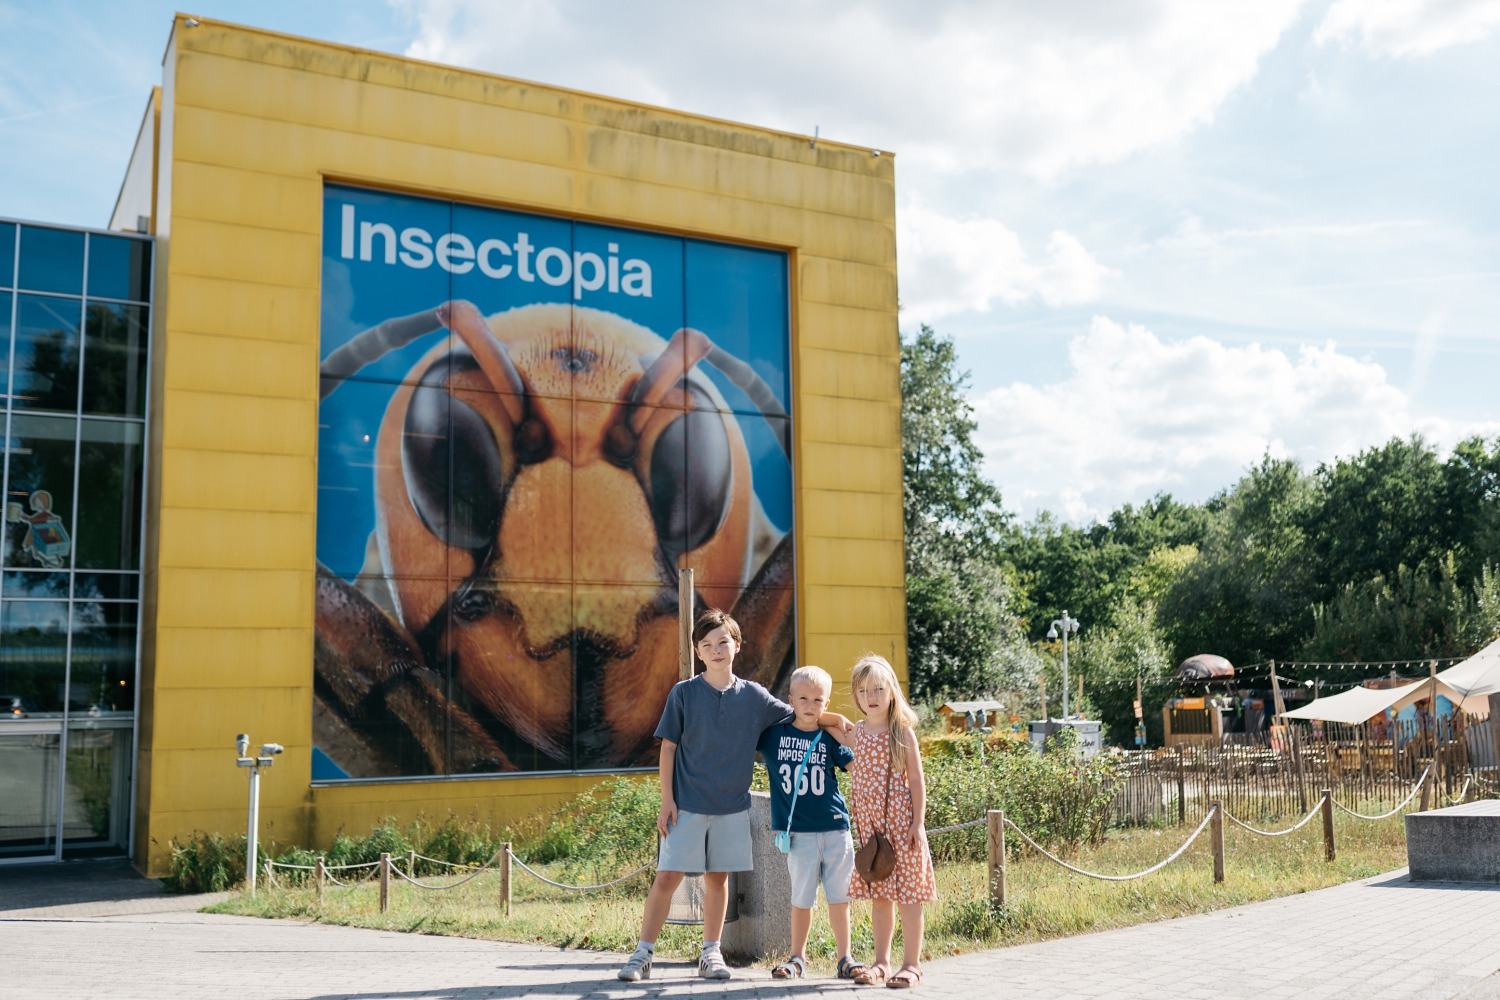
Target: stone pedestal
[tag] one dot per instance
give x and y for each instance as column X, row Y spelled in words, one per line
column 1456, row 844
column 763, row 927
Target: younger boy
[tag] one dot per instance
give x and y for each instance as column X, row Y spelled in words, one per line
column 708, row 733
column 821, row 847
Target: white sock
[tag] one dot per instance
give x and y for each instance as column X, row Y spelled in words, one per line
column 709, row 946
column 649, row 947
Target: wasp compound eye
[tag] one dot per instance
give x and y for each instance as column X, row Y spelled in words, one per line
column 691, row 477
column 446, row 442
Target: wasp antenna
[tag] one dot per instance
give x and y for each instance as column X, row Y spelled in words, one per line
column 493, row 359
column 748, row 381
column 686, row 348
column 374, row 344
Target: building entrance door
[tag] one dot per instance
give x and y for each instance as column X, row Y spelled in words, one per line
column 64, row 788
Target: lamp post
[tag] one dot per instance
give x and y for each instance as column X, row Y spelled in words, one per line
column 266, row 758
column 1064, row 626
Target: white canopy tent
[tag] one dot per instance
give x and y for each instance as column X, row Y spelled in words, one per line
column 1467, row 685
column 1475, row 679
column 1361, row 703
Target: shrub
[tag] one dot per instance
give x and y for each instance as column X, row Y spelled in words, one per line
column 208, row 862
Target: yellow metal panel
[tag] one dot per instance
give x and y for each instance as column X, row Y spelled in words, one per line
column 848, row 328
column 203, row 722
column 268, row 146
column 266, row 256
column 850, row 467
column 844, row 283
column 237, row 539
column 204, row 421
column 849, row 561
column 845, row 514
column 841, row 373
column 202, row 363
column 372, row 109
column 214, row 193
column 275, row 657
column 841, row 419
column 237, row 480
column 878, row 613
column 235, row 598
column 236, row 308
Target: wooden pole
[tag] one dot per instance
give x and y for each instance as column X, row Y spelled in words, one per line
column 1277, row 703
column 1330, row 852
column 385, row 881
column 995, row 852
column 505, row 877
column 1437, row 736
column 320, row 871
column 1181, row 790
column 1216, row 837
column 411, row 863
column 684, row 624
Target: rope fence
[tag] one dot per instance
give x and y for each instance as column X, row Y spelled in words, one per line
column 505, row 858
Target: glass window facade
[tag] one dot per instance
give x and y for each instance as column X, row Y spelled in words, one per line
column 74, row 342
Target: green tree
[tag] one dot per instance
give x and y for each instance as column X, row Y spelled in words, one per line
column 962, row 634
column 1111, row 658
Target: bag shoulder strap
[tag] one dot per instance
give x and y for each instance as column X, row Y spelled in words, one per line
column 797, row 779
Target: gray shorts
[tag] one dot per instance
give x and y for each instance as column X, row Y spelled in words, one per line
column 827, row 856
column 700, row 843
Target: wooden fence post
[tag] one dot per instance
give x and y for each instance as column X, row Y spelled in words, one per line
column 1216, row 837
column 385, row 881
column 411, row 864
column 319, row 872
column 995, row 851
column 1330, row 853
column 1181, row 790
column 505, row 877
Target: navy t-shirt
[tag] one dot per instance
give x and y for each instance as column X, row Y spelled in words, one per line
column 716, row 733
column 820, row 804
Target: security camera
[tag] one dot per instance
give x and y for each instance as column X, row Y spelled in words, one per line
column 242, row 743
column 266, row 749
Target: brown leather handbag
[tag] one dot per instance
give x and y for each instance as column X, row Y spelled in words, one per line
column 876, row 858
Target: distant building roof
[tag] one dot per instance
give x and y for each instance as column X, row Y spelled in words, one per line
column 971, row 706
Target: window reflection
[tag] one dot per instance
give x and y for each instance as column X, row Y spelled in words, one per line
column 33, row 654
column 39, row 498
column 34, row 583
column 109, row 493
column 103, row 673
column 5, row 298
column 51, row 260
column 119, row 268
column 107, row 586
column 28, row 825
column 47, row 351
column 7, row 254
column 114, row 352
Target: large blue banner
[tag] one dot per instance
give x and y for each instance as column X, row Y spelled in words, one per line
column 529, row 425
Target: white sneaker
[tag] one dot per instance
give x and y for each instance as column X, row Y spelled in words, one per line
column 638, row 967
column 712, row 966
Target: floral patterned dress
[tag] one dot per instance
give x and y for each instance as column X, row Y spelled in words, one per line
column 912, row 881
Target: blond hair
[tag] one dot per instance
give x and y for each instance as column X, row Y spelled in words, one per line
column 816, row 676
column 902, row 720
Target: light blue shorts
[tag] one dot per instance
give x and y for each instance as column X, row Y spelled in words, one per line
column 826, row 857
column 701, row 843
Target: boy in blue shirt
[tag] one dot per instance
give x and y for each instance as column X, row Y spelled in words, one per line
column 805, row 801
column 708, row 733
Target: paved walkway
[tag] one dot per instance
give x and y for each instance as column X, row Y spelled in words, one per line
column 94, row 930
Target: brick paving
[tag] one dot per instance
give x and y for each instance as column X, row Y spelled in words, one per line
column 98, row 931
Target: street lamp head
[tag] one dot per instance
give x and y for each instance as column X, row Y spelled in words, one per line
column 1052, row 632
column 242, row 743
column 1073, row 626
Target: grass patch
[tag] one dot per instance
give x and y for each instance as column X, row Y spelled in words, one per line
column 1044, row 901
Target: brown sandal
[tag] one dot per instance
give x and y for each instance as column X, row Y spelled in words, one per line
column 908, row 977
column 872, row 975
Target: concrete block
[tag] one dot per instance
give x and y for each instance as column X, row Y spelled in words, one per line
column 1456, row 844
column 763, row 927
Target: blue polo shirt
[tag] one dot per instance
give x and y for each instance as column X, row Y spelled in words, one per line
column 716, row 733
column 820, row 804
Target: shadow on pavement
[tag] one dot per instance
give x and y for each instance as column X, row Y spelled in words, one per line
column 25, row 887
column 1404, row 881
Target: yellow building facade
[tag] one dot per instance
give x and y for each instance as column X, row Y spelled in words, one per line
column 256, row 149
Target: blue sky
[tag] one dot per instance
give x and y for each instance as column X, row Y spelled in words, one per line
column 1168, row 237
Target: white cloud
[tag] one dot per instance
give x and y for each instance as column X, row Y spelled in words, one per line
column 958, row 84
column 1138, row 415
column 953, row 265
column 1408, row 27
